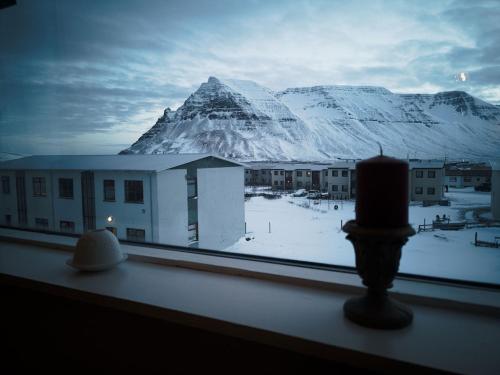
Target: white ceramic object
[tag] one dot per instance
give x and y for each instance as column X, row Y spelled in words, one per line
column 97, row 250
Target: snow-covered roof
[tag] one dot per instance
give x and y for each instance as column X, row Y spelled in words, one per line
column 287, row 166
column 152, row 163
column 343, row 165
column 426, row 164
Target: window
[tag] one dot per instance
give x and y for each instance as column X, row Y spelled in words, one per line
column 193, row 232
column 344, row 174
column 344, row 188
column 467, row 179
column 41, row 223
column 431, row 191
column 67, row 226
column 335, row 188
column 299, row 173
column 263, row 172
column 66, row 188
column 281, row 182
column 419, row 174
column 276, row 182
column 335, row 173
column 5, row 184
column 138, row 235
column 39, row 188
column 133, row 191
column 431, row 174
column 282, row 173
column 192, row 188
column 275, row 173
column 419, row 190
column 109, row 190
column 326, row 173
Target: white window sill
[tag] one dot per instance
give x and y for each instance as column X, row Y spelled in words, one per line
column 290, row 307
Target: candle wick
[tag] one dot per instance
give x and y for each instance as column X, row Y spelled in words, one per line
column 380, row 147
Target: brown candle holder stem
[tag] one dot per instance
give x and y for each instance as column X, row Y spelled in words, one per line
column 378, row 252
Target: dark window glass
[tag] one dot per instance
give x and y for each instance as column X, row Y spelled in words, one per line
column 344, row 173
column 133, row 191
column 326, row 173
column 282, row 173
column 344, row 187
column 193, row 232
column 276, row 182
column 431, row 191
column 299, row 173
column 67, row 226
column 419, row 174
column 138, row 235
column 66, row 188
column 5, row 184
column 335, row 173
column 263, row 172
column 419, row 190
column 431, row 174
column 42, row 223
column 39, row 187
column 335, row 188
column 109, row 190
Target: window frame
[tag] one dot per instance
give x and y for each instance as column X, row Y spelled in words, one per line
column 431, row 174
column 419, row 190
column 105, row 190
column 419, row 173
column 64, row 189
column 5, row 184
column 127, row 183
column 66, row 230
column 134, row 236
column 39, row 186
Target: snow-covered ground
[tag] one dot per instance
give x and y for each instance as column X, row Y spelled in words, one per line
column 302, row 230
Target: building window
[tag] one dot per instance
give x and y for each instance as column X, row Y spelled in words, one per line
column 419, row 174
column 299, row 173
column 67, row 226
column 263, row 172
column 431, row 191
column 41, row 223
column 275, row 173
column 282, row 173
column 66, row 188
column 276, row 182
column 39, row 187
column 192, row 188
column 326, row 173
column 335, row 173
column 335, row 188
column 109, row 190
column 344, row 174
column 344, row 187
column 133, row 191
column 193, row 232
column 281, row 182
column 5, row 184
column 431, row 174
column 247, row 171
column 138, row 235
column 467, row 179
column 419, row 190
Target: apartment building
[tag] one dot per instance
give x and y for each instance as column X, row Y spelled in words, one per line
column 172, row 199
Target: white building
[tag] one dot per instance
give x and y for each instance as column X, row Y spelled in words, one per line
column 184, row 199
column 340, row 179
column 426, row 180
column 495, row 189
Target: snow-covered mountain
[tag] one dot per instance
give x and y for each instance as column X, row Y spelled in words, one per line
column 243, row 120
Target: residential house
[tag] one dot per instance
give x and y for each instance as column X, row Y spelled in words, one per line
column 426, row 180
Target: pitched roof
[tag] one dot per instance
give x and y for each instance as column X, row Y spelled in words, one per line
column 131, row 162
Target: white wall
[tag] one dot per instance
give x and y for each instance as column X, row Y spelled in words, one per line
column 173, row 207
column 125, row 215
column 495, row 194
column 221, row 210
column 65, row 209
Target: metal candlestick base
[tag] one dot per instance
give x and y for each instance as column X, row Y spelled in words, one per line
column 378, row 251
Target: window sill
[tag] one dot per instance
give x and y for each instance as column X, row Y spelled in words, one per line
column 294, row 308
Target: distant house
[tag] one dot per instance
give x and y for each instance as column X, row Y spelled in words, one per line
column 172, row 199
column 495, row 189
column 340, row 178
column 460, row 176
column 426, row 180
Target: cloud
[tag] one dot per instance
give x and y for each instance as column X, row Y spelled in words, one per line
column 81, row 71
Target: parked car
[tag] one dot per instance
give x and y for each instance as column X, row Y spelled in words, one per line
column 314, row 194
column 485, row 186
column 300, row 193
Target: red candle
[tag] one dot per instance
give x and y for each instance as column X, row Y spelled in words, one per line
column 382, row 192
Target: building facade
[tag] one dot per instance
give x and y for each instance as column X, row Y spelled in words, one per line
column 495, row 189
column 426, row 180
column 171, row 199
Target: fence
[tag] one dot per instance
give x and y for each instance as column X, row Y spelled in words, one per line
column 482, row 243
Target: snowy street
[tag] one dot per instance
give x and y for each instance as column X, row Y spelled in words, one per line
column 300, row 229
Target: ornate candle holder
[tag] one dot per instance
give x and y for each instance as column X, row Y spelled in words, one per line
column 378, row 251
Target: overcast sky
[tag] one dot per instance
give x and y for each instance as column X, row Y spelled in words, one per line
column 92, row 76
